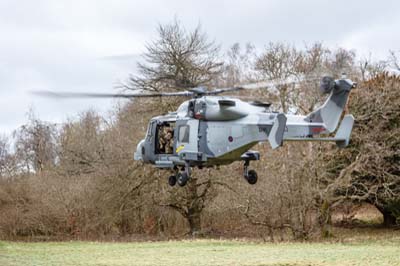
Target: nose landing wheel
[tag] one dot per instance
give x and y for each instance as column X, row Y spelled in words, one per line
column 180, row 177
column 172, row 180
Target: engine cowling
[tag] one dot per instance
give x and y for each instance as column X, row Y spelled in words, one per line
column 218, row 110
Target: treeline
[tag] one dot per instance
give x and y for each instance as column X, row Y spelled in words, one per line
column 80, row 180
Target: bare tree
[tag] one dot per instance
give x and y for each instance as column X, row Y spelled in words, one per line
column 81, row 144
column 3, row 155
column 290, row 207
column 35, row 144
column 314, row 59
column 341, row 61
column 369, row 169
column 394, row 60
column 370, row 69
column 239, row 66
column 311, row 67
column 7, row 159
column 177, row 60
column 191, row 201
column 279, row 62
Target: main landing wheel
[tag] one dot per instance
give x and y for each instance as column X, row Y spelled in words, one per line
column 182, row 179
column 172, row 180
column 252, row 177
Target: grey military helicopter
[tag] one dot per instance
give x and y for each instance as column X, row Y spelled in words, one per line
column 210, row 130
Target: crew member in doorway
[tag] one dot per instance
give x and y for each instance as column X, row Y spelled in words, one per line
column 166, row 140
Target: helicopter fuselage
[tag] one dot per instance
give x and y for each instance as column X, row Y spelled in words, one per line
column 208, row 131
column 216, row 135
column 213, row 130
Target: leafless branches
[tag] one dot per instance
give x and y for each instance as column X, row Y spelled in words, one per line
column 35, row 145
column 177, row 60
column 369, row 169
column 394, row 60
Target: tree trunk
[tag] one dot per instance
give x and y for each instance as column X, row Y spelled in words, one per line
column 194, row 223
column 195, row 207
column 325, row 221
column 388, row 219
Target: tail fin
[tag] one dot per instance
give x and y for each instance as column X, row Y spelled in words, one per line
column 329, row 113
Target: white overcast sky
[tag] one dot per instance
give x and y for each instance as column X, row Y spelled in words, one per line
column 90, row 45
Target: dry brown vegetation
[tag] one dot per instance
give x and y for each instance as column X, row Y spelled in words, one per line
column 80, row 180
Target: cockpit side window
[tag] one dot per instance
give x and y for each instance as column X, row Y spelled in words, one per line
column 183, row 134
column 150, row 130
column 191, row 108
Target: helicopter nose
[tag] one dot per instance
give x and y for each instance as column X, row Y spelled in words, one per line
column 138, row 155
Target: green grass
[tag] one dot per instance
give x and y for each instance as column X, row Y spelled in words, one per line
column 201, row 252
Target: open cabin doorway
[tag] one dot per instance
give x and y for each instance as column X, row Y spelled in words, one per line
column 165, row 138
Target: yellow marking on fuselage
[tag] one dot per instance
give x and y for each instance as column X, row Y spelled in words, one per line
column 180, row 148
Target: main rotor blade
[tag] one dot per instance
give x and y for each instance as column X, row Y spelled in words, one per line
column 195, row 92
column 277, row 83
column 222, row 90
column 53, row 94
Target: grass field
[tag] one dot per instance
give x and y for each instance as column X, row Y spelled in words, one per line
column 202, row 252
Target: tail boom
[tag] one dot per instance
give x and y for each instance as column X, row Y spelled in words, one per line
column 342, row 136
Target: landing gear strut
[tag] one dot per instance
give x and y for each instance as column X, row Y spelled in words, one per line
column 250, row 175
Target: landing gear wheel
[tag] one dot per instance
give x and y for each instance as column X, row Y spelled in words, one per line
column 172, row 180
column 252, row 177
column 182, row 179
